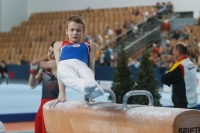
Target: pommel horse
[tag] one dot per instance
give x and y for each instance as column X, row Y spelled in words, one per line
column 86, row 117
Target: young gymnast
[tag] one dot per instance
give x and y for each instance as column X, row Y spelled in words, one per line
column 75, row 61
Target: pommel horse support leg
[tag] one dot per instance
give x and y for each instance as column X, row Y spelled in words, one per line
column 76, row 117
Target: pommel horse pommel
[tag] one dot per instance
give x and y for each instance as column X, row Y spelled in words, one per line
column 112, row 94
column 85, row 117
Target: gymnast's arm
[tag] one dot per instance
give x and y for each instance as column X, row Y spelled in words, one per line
column 51, row 64
column 62, row 96
column 34, row 79
column 44, row 58
column 45, row 63
column 93, row 48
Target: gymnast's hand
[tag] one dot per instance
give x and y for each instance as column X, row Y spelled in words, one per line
column 53, row 103
column 34, row 65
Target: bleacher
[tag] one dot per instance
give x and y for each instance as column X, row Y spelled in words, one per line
column 33, row 37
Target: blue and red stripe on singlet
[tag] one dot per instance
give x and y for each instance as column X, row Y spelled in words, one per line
column 78, row 51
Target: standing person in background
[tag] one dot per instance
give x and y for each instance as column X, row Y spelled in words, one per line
column 108, row 55
column 109, row 31
column 23, row 61
column 97, row 56
column 102, row 58
column 165, row 26
column 50, row 88
column 182, row 77
column 75, row 61
column 169, row 9
column 118, row 32
column 4, row 71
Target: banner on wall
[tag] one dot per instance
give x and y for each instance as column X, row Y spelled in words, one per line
column 168, row 89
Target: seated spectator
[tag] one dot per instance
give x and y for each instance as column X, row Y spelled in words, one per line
column 118, row 30
column 180, row 39
column 154, row 49
column 107, row 40
column 130, row 60
column 114, row 61
column 153, row 12
column 130, row 28
column 164, row 42
column 184, row 35
column 102, row 58
column 109, row 31
column 170, row 60
column 199, row 42
column 23, row 61
column 187, row 28
column 194, row 60
column 136, row 63
column 135, row 11
column 198, row 21
column 125, row 25
column 135, row 28
column 133, row 62
column 163, row 65
column 152, row 18
column 4, row 72
column 168, row 50
column 98, row 38
column 163, row 61
column 156, row 59
column 97, row 56
column 145, row 14
column 176, row 34
column 87, row 37
column 193, row 43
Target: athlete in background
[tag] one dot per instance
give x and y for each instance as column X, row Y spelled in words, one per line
column 50, row 88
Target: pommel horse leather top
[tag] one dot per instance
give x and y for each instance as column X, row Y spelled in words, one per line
column 74, row 117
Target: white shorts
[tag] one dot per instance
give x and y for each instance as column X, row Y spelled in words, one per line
column 76, row 75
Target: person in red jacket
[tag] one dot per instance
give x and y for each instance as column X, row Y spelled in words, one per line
column 165, row 26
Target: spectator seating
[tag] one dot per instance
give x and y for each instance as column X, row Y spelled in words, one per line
column 33, row 37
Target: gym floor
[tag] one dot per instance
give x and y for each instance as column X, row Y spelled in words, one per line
column 17, row 97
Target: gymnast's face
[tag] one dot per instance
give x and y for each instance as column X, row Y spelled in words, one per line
column 51, row 54
column 75, row 32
